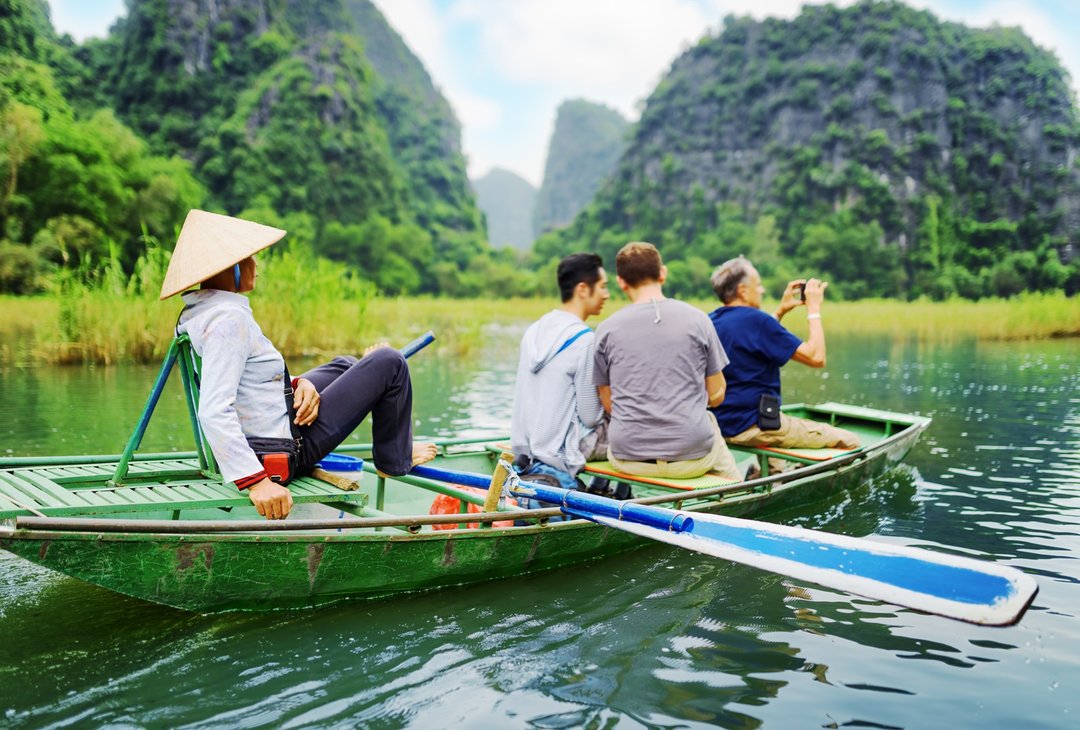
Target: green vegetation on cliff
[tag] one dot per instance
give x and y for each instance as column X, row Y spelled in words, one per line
column 582, row 153
column 316, row 113
column 874, row 145
column 76, row 189
column 312, row 116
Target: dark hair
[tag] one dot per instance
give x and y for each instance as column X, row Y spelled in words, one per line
column 728, row 276
column 637, row 263
column 575, row 269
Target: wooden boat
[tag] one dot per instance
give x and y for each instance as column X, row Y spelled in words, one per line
column 163, row 527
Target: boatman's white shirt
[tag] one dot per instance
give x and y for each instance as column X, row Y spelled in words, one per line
column 242, row 388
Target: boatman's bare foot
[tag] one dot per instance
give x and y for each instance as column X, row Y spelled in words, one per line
column 423, row 452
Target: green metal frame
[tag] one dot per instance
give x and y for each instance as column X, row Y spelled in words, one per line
column 180, row 353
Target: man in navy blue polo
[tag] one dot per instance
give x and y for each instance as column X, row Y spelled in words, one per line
column 757, row 346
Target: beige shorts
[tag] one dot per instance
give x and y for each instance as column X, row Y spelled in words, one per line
column 798, row 433
column 719, row 461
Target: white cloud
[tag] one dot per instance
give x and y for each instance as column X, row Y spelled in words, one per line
column 478, row 112
column 604, row 50
column 82, row 19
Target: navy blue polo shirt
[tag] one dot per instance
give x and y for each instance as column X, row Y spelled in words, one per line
column 757, row 346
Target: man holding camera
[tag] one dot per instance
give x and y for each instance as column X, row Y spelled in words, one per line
column 758, row 346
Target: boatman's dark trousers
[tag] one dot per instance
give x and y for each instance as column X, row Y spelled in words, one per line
column 350, row 389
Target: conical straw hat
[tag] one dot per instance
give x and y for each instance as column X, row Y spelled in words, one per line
column 208, row 244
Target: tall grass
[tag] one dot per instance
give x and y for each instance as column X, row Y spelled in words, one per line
column 309, row 306
column 306, row 305
column 1023, row 317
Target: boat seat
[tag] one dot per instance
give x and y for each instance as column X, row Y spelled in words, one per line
column 605, row 469
column 806, row 456
column 155, row 487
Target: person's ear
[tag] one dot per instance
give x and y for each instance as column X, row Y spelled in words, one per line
column 663, row 274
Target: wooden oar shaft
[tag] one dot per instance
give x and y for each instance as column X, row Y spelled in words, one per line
column 494, row 489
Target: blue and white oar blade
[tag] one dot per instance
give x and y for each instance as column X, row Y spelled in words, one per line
column 947, row 585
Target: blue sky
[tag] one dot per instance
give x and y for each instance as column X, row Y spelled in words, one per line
column 505, row 65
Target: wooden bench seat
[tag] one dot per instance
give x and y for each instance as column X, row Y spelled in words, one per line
column 154, row 486
column 806, row 456
column 706, row 481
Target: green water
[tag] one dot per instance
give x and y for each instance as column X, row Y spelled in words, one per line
column 654, row 638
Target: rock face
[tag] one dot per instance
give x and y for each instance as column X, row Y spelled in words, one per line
column 297, row 106
column 957, row 146
column 507, row 201
column 584, row 149
column 25, row 29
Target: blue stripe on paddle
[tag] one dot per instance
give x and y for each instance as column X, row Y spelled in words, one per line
column 945, row 581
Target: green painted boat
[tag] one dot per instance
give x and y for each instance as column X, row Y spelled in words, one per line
column 163, row 527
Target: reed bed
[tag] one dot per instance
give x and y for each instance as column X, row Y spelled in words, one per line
column 1025, row 317
column 329, row 313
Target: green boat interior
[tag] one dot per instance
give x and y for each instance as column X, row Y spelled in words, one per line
column 181, row 487
column 189, row 486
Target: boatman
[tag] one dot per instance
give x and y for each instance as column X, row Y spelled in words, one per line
column 264, row 427
column 658, row 365
column 758, row 346
column 558, row 423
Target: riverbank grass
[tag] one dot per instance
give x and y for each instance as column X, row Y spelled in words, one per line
column 333, row 314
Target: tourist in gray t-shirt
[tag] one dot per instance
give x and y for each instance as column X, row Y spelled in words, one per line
column 658, row 368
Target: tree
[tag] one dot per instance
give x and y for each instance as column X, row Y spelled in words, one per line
column 21, row 132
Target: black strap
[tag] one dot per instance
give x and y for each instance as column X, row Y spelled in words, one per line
column 290, row 407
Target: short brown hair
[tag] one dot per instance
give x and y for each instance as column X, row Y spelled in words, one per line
column 637, row 263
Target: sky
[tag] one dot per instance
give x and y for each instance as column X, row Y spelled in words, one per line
column 506, row 65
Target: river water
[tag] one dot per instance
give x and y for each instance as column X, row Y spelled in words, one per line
column 654, row 638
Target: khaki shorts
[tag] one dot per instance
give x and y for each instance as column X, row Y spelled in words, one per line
column 798, row 433
column 719, row 461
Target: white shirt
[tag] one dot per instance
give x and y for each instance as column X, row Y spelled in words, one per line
column 242, row 389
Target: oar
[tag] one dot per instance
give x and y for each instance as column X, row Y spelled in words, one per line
column 947, row 585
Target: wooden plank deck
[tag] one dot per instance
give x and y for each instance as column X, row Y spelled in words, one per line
column 168, row 485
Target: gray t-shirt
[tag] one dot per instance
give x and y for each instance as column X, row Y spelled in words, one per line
column 656, row 370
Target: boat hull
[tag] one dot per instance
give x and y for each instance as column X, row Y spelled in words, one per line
column 260, row 571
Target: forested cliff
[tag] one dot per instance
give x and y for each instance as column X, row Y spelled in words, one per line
column 313, row 116
column 582, row 153
column 875, row 145
column 79, row 188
